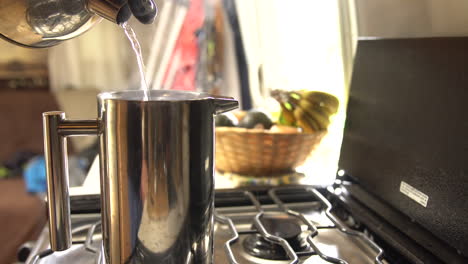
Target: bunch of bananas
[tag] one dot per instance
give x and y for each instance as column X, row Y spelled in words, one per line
column 310, row 110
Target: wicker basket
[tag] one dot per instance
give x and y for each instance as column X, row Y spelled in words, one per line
column 261, row 152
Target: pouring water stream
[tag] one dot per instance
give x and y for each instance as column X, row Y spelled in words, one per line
column 137, row 49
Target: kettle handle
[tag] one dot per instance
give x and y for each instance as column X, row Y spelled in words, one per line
column 56, row 130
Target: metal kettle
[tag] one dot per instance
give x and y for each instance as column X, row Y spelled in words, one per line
column 44, row 23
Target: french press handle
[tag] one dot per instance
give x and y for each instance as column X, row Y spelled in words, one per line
column 56, row 130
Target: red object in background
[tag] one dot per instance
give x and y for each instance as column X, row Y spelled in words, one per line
column 180, row 74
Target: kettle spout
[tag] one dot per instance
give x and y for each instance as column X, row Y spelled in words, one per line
column 224, row 104
column 119, row 11
column 108, row 9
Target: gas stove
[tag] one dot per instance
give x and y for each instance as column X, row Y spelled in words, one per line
column 294, row 224
column 289, row 224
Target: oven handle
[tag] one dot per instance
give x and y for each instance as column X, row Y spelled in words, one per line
column 56, row 130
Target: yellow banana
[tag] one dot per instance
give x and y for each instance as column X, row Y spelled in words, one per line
column 309, row 105
column 322, row 119
column 306, row 122
column 305, row 126
column 287, row 115
column 310, row 110
column 312, row 122
column 323, row 99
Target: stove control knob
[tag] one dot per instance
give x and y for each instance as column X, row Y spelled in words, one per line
column 23, row 252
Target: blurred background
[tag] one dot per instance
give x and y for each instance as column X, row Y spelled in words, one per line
column 243, row 49
column 239, row 48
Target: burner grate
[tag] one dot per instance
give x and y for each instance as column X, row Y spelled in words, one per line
column 293, row 256
column 260, row 229
column 89, row 238
column 275, row 239
column 91, row 230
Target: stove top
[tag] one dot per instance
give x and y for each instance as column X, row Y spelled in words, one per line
column 279, row 225
column 288, row 225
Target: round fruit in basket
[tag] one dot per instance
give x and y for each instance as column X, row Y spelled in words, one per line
column 226, row 120
column 256, row 119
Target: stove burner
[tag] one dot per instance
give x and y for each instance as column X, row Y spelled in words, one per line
column 281, row 226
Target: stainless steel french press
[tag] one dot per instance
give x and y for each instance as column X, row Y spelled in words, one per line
column 156, row 162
